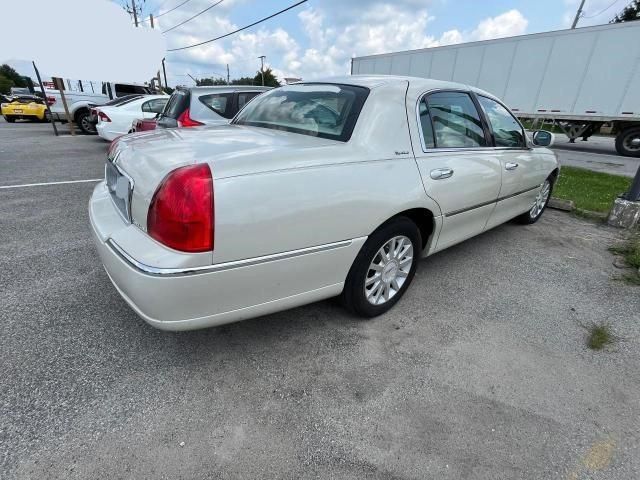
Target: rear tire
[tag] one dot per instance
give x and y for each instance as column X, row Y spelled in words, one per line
column 383, row 269
column 628, row 142
column 539, row 205
column 82, row 120
column 9, row 119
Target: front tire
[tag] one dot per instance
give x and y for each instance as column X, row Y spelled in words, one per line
column 628, row 142
column 539, row 205
column 383, row 269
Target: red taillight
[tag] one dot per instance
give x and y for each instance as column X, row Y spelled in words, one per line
column 184, row 120
column 181, row 211
column 103, row 117
column 51, row 100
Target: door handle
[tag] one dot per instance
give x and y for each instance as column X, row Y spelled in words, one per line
column 441, row 173
column 511, row 166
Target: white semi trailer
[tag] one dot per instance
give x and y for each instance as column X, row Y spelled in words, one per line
column 578, row 79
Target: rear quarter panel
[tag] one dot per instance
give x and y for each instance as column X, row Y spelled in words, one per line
column 286, row 210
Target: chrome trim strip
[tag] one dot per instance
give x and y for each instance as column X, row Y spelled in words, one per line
column 165, row 272
column 480, row 205
column 463, row 210
column 519, row 193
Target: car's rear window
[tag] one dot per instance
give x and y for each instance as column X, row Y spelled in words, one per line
column 320, row 110
column 219, row 103
column 178, row 103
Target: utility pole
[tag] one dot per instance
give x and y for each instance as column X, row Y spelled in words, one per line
column 633, row 195
column 135, row 13
column 262, row 57
column 578, row 14
column 164, row 71
column 228, row 82
column 165, row 75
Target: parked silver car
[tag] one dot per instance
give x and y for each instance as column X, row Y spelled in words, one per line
column 195, row 106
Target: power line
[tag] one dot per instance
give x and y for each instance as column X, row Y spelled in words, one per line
column 238, row 30
column 602, row 11
column 196, row 15
column 169, row 11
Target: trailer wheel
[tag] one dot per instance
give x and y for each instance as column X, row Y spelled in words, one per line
column 628, row 142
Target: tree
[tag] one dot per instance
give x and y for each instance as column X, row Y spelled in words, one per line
column 10, row 74
column 270, row 79
column 208, row 82
column 630, row 13
column 5, row 84
column 244, row 81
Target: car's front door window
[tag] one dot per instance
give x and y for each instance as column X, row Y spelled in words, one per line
column 506, row 130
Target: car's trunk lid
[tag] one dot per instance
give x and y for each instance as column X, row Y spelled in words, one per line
column 230, row 150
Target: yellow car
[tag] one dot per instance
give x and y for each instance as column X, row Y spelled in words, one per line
column 25, row 107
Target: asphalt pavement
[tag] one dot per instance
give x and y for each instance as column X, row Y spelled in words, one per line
column 480, row 372
column 598, row 153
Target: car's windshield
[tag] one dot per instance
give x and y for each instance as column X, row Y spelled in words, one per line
column 321, row 110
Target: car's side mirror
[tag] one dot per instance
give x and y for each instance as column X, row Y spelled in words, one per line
column 542, row 138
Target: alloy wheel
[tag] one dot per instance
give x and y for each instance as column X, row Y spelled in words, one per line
column 388, row 270
column 541, row 200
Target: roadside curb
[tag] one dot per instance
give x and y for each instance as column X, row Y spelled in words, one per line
column 570, row 207
column 561, row 204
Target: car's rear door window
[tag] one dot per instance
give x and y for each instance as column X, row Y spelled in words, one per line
column 455, row 120
column 220, row 103
column 507, row 131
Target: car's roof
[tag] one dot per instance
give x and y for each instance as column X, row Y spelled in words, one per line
column 230, row 88
column 374, row 81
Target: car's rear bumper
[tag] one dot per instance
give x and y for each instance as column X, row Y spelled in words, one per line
column 27, row 113
column 105, row 131
column 186, row 298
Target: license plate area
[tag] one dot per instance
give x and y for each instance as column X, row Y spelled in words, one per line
column 17, row 110
column 120, row 188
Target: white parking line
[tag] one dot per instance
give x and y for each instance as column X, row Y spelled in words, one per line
column 50, row 183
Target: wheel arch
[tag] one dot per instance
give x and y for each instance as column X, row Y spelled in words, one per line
column 422, row 217
column 79, row 110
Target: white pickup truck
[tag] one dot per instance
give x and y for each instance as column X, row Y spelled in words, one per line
column 86, row 96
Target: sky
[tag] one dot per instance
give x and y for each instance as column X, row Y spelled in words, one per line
column 318, row 38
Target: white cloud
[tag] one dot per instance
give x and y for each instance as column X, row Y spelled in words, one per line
column 506, row 25
column 333, row 32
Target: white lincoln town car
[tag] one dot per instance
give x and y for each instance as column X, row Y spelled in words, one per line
column 314, row 190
